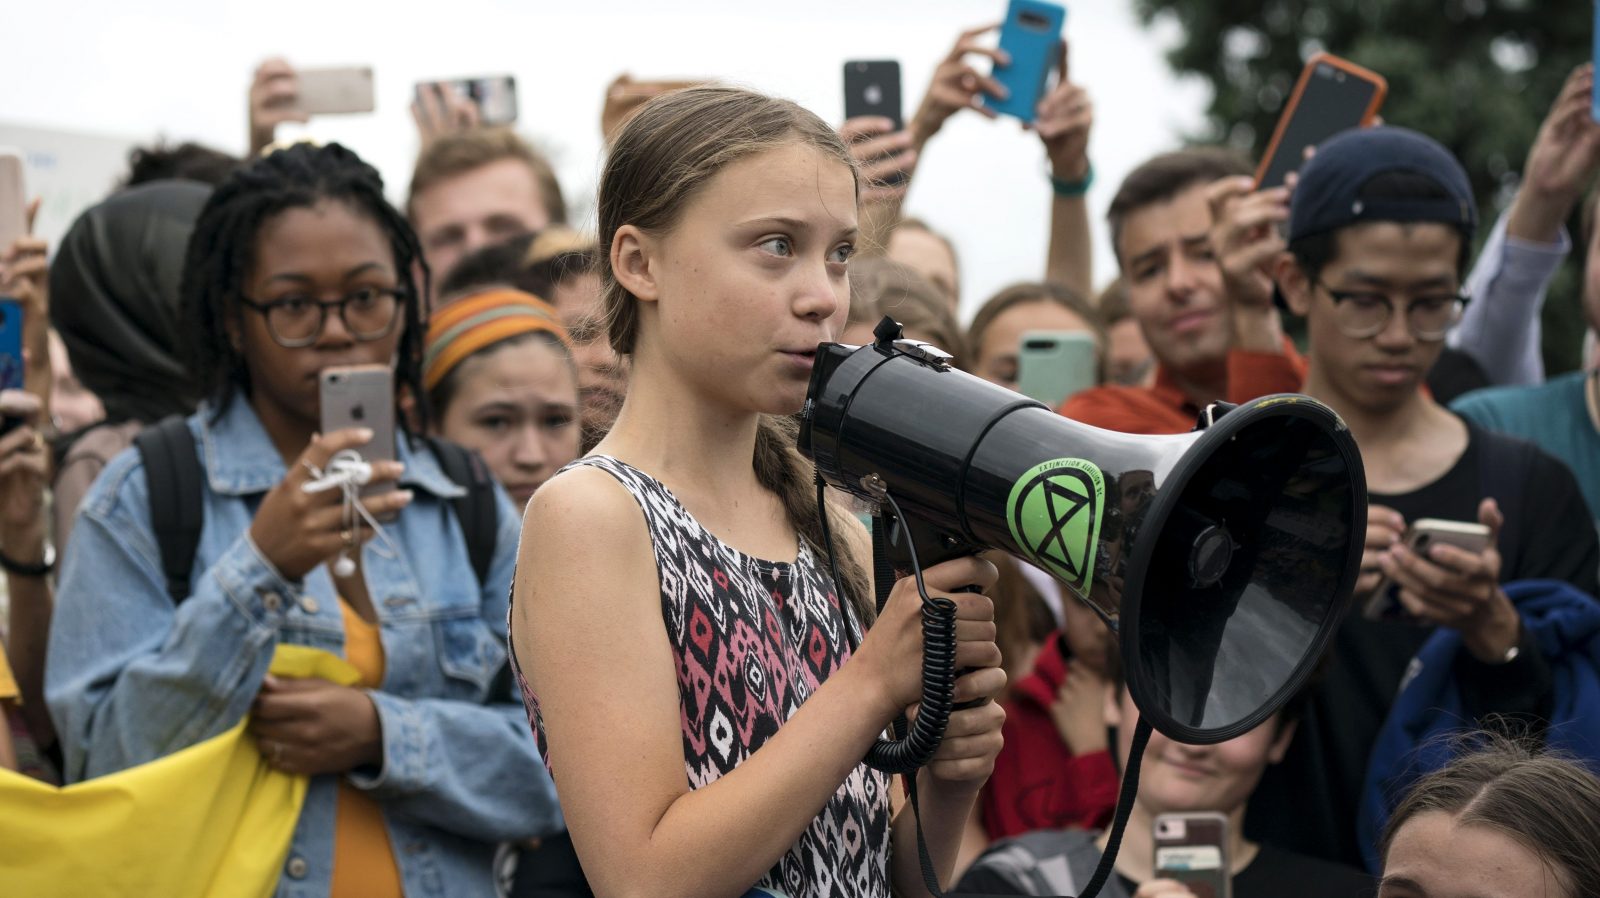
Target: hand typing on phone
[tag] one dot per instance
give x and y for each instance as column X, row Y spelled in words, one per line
column 1451, row 587
column 1385, row 527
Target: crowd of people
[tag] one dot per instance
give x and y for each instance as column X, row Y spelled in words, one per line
column 592, row 636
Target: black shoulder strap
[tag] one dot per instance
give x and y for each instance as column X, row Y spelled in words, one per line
column 177, row 511
column 476, row 510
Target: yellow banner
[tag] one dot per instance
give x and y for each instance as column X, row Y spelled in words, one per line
column 209, row 821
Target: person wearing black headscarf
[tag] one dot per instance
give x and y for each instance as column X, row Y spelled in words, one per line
column 114, row 301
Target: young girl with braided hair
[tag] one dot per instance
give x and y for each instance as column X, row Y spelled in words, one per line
column 703, row 694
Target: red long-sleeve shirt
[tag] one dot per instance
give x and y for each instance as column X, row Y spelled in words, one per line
column 1164, row 408
column 1038, row 783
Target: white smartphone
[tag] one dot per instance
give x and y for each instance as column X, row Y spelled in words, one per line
column 362, row 396
column 336, row 91
column 1468, row 536
column 13, row 197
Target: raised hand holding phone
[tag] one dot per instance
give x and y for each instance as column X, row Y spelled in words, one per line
column 1063, row 120
column 1561, row 164
column 957, row 85
column 1029, row 37
column 274, row 98
column 1332, row 95
column 1246, row 239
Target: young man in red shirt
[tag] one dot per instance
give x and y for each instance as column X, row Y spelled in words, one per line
column 1192, row 238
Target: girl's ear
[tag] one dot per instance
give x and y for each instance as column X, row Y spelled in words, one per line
column 632, row 261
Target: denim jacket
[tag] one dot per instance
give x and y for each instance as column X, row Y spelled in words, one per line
column 132, row 678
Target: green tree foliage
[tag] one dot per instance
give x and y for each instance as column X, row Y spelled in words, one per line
column 1478, row 75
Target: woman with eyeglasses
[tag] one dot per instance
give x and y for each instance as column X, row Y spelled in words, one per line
column 297, row 264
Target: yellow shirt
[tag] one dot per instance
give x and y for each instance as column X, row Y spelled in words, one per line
column 363, row 860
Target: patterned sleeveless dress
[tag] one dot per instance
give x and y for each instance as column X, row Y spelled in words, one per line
column 752, row 639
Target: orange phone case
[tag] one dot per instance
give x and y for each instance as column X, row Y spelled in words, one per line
column 1344, row 65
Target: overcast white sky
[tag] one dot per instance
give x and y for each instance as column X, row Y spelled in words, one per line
column 180, row 68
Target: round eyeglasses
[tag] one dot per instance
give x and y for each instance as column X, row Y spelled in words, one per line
column 1365, row 313
column 296, row 321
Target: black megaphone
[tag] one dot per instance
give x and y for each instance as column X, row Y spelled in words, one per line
column 1225, row 557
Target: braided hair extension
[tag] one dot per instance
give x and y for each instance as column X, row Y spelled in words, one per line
column 222, row 249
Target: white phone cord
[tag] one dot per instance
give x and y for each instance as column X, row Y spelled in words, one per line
column 348, row 472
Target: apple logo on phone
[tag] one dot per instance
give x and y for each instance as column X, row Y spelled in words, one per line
column 358, row 412
column 873, row 94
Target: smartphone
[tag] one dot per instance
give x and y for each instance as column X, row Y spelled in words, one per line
column 1332, row 95
column 336, row 91
column 494, row 95
column 1032, row 35
column 1193, row 849
column 362, row 396
column 13, row 198
column 873, row 88
column 1468, row 536
column 1053, row 365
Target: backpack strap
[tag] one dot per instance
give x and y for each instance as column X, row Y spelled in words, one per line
column 175, row 481
column 476, row 510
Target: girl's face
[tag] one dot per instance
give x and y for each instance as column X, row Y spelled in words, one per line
column 1433, row 856
column 1179, row 778
column 517, row 405
column 324, row 252
column 740, row 292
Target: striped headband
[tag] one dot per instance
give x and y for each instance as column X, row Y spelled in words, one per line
column 473, row 323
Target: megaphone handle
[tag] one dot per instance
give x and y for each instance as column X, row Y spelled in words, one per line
column 962, row 706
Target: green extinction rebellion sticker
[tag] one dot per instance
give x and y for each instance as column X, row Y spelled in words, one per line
column 1054, row 511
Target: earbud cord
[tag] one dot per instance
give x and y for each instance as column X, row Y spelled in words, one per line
column 348, row 472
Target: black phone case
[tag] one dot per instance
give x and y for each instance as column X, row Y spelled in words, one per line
column 873, row 88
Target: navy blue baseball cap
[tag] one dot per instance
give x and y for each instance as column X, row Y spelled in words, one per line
column 1328, row 196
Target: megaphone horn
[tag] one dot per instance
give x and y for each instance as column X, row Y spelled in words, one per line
column 1224, row 557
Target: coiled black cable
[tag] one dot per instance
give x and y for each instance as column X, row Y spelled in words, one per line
column 914, row 749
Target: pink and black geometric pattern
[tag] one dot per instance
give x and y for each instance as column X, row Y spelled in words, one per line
column 752, row 639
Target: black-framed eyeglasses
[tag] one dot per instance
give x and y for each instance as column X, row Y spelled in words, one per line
column 1365, row 313
column 368, row 314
